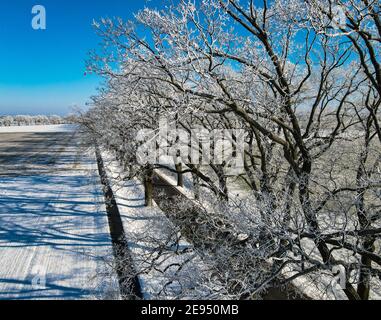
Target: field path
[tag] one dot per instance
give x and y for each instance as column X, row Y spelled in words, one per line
column 54, row 234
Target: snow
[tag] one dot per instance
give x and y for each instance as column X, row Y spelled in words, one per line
column 186, row 190
column 157, row 248
column 39, row 128
column 171, row 177
column 54, row 234
column 236, row 191
column 318, row 286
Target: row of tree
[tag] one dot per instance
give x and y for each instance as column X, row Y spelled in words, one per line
column 27, row 120
column 302, row 78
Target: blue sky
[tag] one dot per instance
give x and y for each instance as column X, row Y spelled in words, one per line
column 42, row 71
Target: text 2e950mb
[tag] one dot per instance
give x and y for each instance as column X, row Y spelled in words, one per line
column 206, row 309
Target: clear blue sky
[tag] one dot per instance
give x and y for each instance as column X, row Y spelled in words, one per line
column 42, row 71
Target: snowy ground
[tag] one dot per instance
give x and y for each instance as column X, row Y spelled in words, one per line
column 167, row 265
column 39, row 129
column 54, row 232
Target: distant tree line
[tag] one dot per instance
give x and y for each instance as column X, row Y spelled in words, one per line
column 28, row 120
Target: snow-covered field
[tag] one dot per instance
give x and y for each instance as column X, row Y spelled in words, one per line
column 39, row 129
column 54, row 233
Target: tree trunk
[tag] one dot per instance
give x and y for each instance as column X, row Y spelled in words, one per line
column 364, row 281
column 180, row 177
column 222, row 179
column 148, row 187
column 363, row 287
column 196, row 186
column 311, row 218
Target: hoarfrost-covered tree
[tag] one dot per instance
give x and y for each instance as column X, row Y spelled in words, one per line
column 304, row 87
